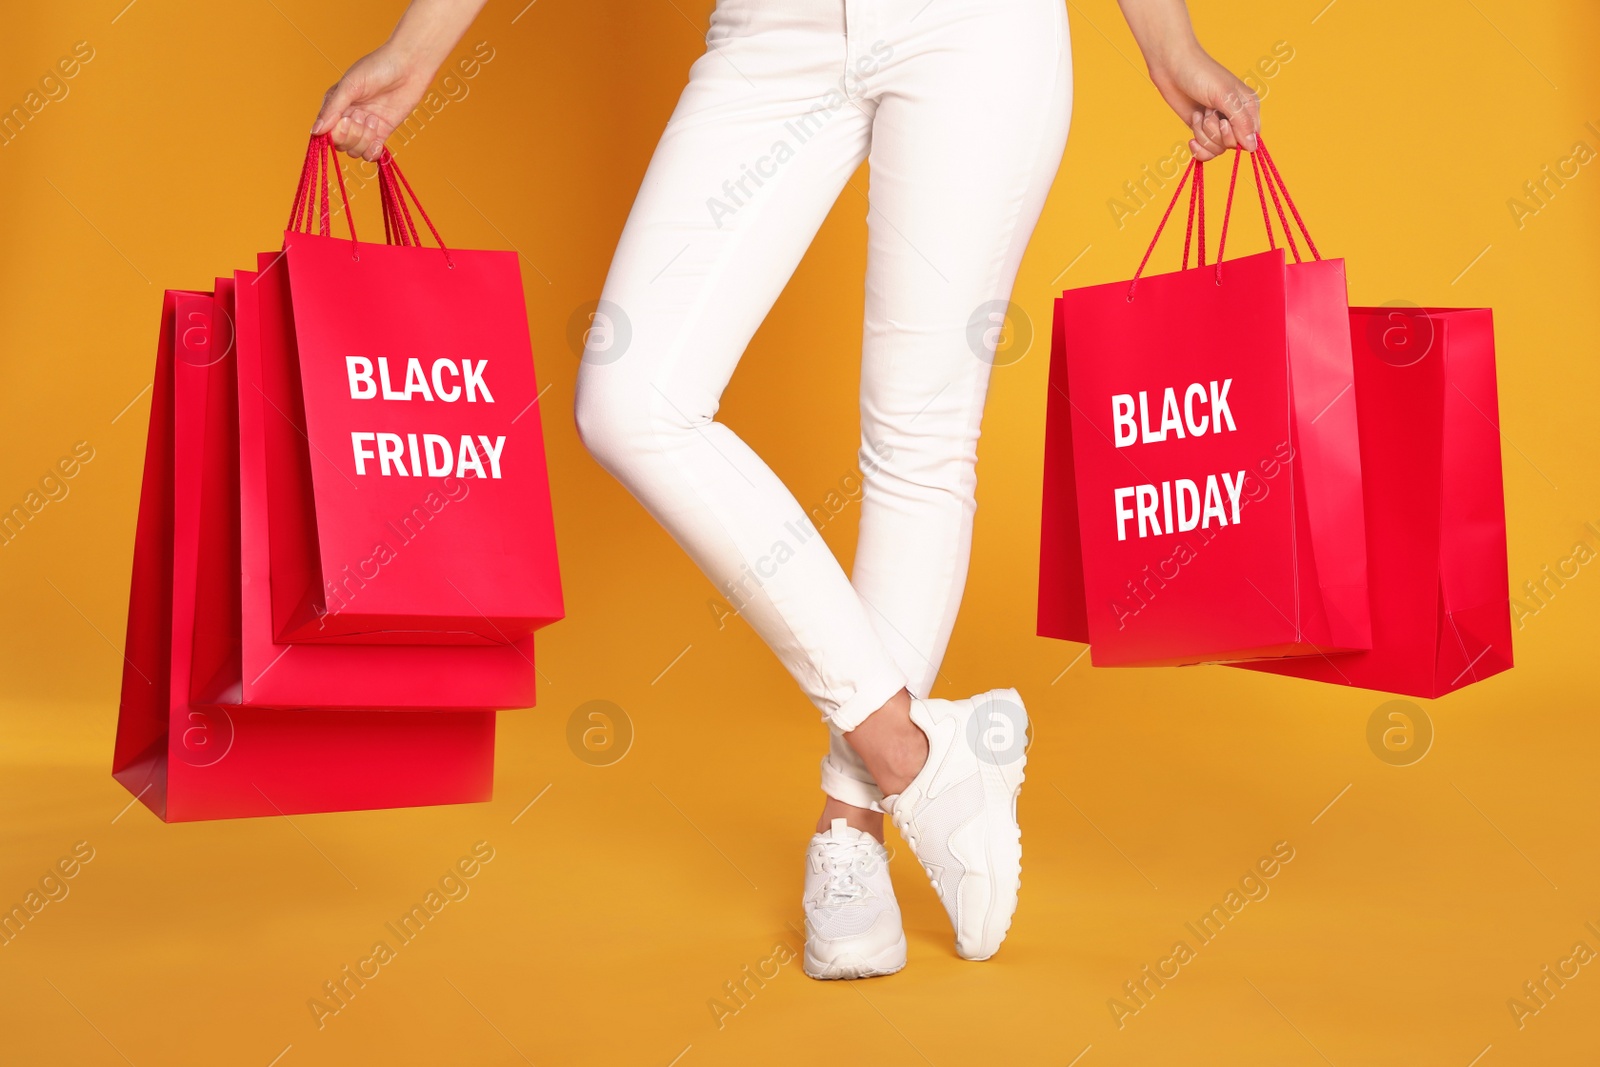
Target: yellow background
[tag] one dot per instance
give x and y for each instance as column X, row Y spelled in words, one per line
column 618, row 904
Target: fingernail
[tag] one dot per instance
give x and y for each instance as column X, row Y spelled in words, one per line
column 1250, row 141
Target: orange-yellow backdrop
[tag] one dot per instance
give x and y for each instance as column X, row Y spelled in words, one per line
column 1420, row 898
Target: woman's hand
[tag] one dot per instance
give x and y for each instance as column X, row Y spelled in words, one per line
column 1220, row 110
column 374, row 97
column 382, row 88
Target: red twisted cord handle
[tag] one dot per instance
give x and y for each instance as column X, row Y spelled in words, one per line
column 1266, row 221
column 1187, row 172
column 299, row 194
column 1227, row 212
column 394, row 179
column 1266, row 158
column 312, row 195
column 396, row 217
column 305, row 195
column 1272, row 188
column 1267, row 181
column 313, row 198
column 1266, row 173
column 1188, row 230
column 1197, row 215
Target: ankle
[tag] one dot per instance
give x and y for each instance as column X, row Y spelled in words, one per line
column 864, row 819
column 901, row 765
column 893, row 747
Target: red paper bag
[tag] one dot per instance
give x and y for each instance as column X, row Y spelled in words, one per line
column 187, row 762
column 1434, row 502
column 1208, row 423
column 1063, row 611
column 403, row 380
column 237, row 661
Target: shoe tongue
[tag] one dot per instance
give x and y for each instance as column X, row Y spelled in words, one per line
column 839, row 826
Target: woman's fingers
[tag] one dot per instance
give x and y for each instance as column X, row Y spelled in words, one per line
column 1207, row 142
column 359, row 134
column 1222, row 111
column 1243, row 110
column 339, row 133
column 334, row 103
column 351, row 135
column 354, row 111
column 1237, row 114
column 1229, row 138
column 354, row 131
column 1216, row 132
column 343, row 134
column 376, row 134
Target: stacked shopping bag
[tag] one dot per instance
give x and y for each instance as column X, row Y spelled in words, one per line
column 1240, row 468
column 345, row 541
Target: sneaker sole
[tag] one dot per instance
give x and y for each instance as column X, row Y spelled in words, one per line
column 889, row 961
column 1002, row 783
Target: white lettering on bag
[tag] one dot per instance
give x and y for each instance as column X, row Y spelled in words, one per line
column 362, row 454
column 363, row 386
column 493, row 453
column 389, row 449
column 1177, row 505
column 1127, row 430
column 408, row 456
column 438, row 386
column 1121, row 416
column 415, row 383
column 474, row 379
column 438, row 449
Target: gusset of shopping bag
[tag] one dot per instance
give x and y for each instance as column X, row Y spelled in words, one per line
column 345, row 540
column 1242, row 469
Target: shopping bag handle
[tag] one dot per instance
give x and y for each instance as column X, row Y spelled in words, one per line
column 311, row 196
column 398, row 225
column 1267, row 181
column 313, row 199
column 1265, row 170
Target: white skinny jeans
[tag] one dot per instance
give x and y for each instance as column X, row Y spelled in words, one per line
column 962, row 108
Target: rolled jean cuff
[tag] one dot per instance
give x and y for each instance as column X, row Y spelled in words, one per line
column 839, row 784
column 869, row 697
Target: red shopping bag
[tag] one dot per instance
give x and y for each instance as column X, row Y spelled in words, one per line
column 236, row 659
column 1436, row 522
column 1202, row 456
column 1063, row 610
column 187, row 762
column 408, row 498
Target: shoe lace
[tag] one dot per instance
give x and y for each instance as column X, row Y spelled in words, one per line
column 843, row 862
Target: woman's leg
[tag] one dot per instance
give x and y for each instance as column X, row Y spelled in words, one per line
column 964, row 150
column 769, row 129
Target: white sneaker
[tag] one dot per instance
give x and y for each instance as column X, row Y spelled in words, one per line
column 852, row 919
column 959, row 814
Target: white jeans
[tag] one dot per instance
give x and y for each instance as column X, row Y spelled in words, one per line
column 962, row 108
